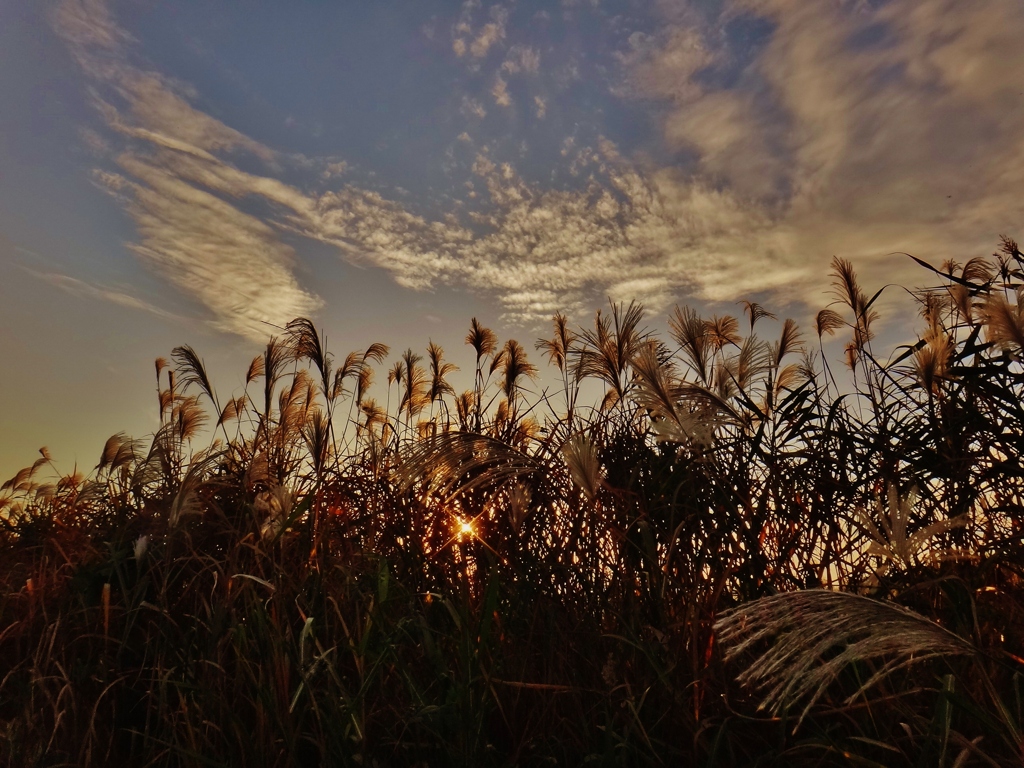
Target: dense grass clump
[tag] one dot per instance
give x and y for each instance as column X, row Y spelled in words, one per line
column 739, row 556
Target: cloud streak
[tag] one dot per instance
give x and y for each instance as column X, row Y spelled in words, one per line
column 230, row 261
column 77, row 287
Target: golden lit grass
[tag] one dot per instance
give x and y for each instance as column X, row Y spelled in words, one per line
column 303, row 574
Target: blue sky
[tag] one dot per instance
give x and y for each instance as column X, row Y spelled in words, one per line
column 190, row 172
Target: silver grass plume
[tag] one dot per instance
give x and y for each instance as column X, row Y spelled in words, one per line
column 192, row 371
column 514, row 367
column 274, row 359
column 722, row 332
column 755, row 312
column 275, row 507
column 413, row 377
column 456, row 462
column 316, row 433
column 606, row 352
column 188, row 417
column 691, row 334
column 816, row 633
column 187, row 500
column 439, row 372
column 888, row 527
column 305, row 343
column 1004, row 323
column 119, row 451
column 827, row 321
column 481, row 339
column 255, row 370
column 557, row 348
column 680, row 413
column 519, row 498
column 580, row 456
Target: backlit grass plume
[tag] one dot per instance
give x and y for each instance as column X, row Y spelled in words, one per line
column 816, row 634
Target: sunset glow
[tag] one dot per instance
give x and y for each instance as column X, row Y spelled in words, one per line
column 167, row 181
column 511, row 382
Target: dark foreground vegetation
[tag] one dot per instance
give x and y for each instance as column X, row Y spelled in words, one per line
column 740, row 556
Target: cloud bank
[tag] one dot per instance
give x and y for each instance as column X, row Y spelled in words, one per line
column 857, row 128
column 847, row 128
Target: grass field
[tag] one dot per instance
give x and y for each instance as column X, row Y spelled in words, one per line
column 744, row 554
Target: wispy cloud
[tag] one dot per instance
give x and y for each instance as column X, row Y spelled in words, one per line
column 856, row 128
column 849, row 129
column 539, row 250
column 521, row 58
column 77, row 287
column 489, row 35
column 500, row 92
column 472, row 108
column 88, row 27
column 624, row 233
column 479, row 42
column 232, row 262
column 229, row 260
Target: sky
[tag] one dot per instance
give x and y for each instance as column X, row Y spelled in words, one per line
column 203, row 172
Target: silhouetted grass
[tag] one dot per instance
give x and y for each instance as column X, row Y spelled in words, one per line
column 731, row 559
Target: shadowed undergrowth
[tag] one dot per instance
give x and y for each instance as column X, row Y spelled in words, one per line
column 738, row 556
